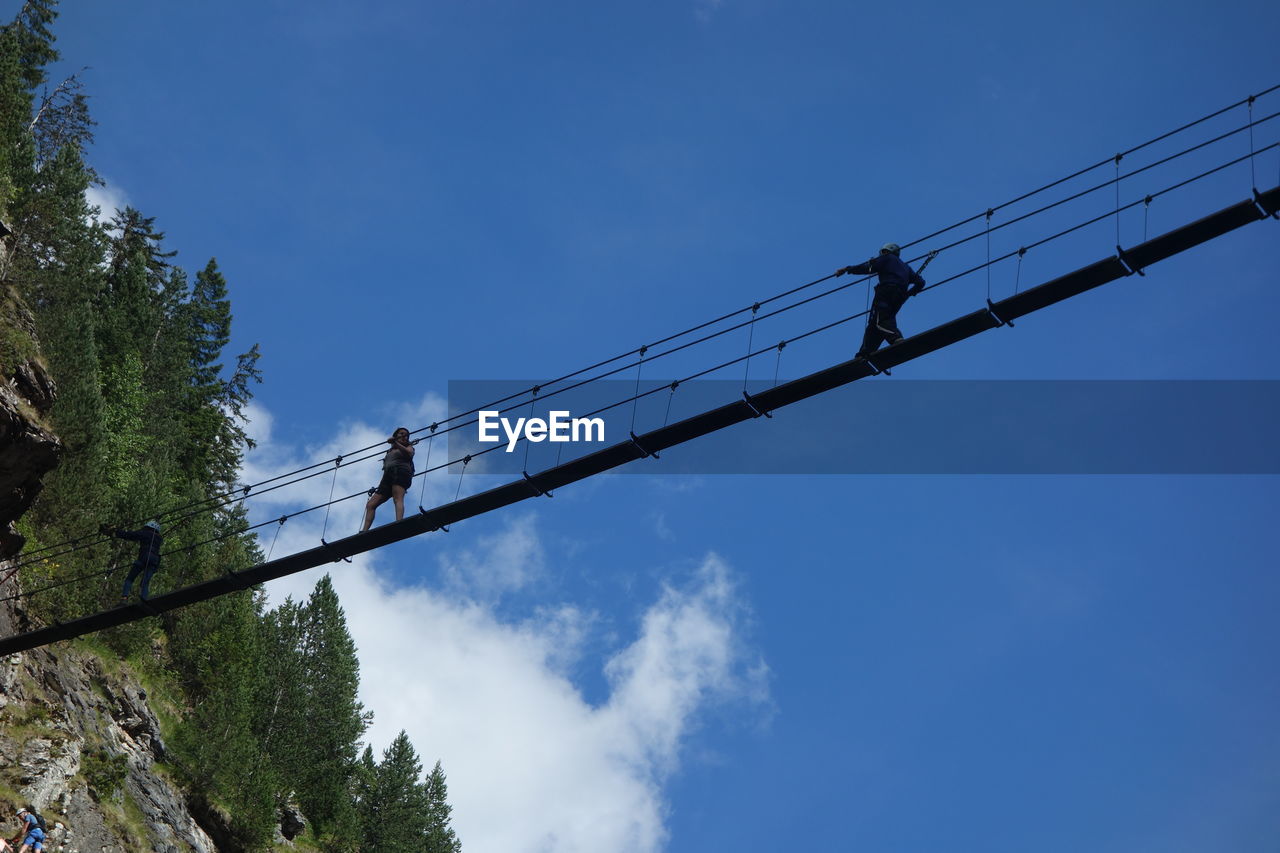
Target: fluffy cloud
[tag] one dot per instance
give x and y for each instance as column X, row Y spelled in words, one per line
column 504, row 563
column 532, row 765
column 107, row 199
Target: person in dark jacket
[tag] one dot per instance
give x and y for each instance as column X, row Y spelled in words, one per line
column 897, row 283
column 397, row 477
column 149, row 541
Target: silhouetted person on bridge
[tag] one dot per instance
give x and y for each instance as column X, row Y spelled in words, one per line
column 897, row 282
column 149, row 541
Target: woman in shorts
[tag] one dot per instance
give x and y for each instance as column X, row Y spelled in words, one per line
column 397, row 476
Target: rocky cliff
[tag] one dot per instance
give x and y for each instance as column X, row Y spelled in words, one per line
column 85, row 749
column 28, row 450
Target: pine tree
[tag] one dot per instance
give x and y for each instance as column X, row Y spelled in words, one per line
column 17, row 153
column 35, row 40
column 29, row 142
column 440, row 835
column 221, row 654
column 26, row 48
column 62, row 282
column 336, row 715
column 58, row 269
column 62, row 118
column 281, row 722
column 399, row 812
column 397, row 815
column 217, row 402
column 209, row 325
column 131, row 303
column 364, row 798
column 314, row 738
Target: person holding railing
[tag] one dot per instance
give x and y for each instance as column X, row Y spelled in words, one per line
column 148, row 562
column 897, row 283
column 397, row 477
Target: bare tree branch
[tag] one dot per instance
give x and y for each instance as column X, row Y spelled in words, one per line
column 63, row 118
column 71, row 84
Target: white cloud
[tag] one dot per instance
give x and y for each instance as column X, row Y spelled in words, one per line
column 660, row 527
column 532, row 765
column 685, row 655
column 260, row 424
column 107, row 199
column 506, row 562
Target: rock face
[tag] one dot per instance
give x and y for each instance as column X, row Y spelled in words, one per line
column 292, row 823
column 28, row 450
column 85, row 744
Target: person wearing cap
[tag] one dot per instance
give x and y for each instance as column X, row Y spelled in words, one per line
column 149, row 541
column 898, row 281
column 29, row 831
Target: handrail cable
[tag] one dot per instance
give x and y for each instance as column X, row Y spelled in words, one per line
column 226, row 498
column 707, row 371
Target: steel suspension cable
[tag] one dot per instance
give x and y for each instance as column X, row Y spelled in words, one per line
column 687, row 345
column 226, row 498
column 1247, row 101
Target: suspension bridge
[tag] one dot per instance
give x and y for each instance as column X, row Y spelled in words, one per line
column 1125, row 261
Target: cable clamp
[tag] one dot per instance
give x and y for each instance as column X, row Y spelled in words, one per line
column 1257, row 199
column 876, row 371
column 1000, row 321
column 424, row 511
column 752, row 403
column 1130, row 269
column 644, row 453
column 328, row 547
column 541, row 491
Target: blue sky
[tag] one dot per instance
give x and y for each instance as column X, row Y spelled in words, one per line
column 414, row 193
